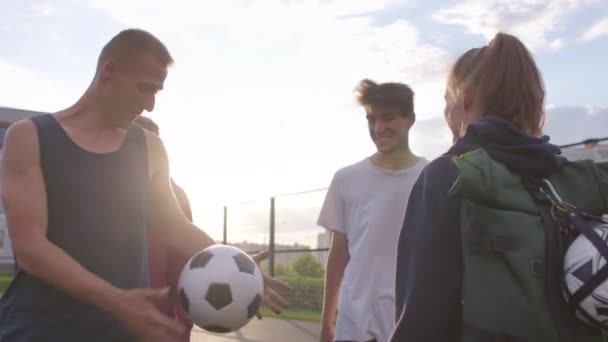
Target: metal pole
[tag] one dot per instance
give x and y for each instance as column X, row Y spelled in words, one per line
column 271, row 242
column 225, row 240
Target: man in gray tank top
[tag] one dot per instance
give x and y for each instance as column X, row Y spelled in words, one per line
column 77, row 208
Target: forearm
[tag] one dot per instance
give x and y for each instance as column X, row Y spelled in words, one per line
column 336, row 263
column 44, row 260
column 169, row 220
column 187, row 239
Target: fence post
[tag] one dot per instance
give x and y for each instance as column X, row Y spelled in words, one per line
column 271, row 240
column 225, row 239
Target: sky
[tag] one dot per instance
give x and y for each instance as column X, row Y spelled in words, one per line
column 260, row 101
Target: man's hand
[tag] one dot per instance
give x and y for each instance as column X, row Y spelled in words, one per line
column 139, row 312
column 271, row 298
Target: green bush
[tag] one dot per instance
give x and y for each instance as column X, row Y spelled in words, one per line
column 307, row 292
column 281, row 270
column 307, row 266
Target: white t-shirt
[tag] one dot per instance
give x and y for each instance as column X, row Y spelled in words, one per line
column 367, row 204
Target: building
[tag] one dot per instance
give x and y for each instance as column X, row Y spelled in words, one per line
column 8, row 116
column 594, row 149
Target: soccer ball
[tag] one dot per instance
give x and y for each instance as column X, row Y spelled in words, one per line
column 581, row 262
column 221, row 288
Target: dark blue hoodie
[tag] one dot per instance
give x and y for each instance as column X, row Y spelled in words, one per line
column 429, row 259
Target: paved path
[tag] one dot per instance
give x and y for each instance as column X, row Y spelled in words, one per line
column 265, row 330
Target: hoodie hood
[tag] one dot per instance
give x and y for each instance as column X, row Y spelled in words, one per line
column 507, row 144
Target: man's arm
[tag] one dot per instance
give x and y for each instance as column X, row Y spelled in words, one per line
column 24, row 196
column 175, row 259
column 183, row 235
column 183, row 201
column 336, row 263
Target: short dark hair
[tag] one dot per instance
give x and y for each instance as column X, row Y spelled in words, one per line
column 147, row 123
column 131, row 42
column 391, row 94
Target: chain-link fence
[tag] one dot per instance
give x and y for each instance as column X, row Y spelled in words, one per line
column 285, row 226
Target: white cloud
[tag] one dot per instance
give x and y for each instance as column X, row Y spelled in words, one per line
column 598, row 29
column 332, row 34
column 431, row 138
column 43, row 8
column 260, row 100
column 572, row 124
column 537, row 22
column 267, row 86
column 275, row 17
column 33, row 90
column 316, row 51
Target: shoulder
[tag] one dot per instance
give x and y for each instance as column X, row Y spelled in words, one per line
column 154, row 143
column 440, row 173
column 178, row 190
column 603, row 167
column 21, row 150
column 22, row 136
column 430, row 202
column 584, row 164
column 352, row 170
column 158, row 161
column 440, row 166
column 417, row 168
column 22, row 127
column 422, row 163
column 581, row 171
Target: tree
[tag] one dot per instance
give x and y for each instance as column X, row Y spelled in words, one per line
column 281, row 270
column 308, row 266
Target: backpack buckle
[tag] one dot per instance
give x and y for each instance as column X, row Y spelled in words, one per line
column 537, row 268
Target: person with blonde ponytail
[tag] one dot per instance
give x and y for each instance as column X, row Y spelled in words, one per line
column 476, row 261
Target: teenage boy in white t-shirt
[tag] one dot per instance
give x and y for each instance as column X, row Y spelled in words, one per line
column 364, row 209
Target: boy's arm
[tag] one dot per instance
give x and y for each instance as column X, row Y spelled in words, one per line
column 336, row 263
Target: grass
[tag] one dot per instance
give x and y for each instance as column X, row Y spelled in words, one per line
column 5, row 279
column 295, row 314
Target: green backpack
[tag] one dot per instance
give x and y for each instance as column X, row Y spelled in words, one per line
column 512, row 286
